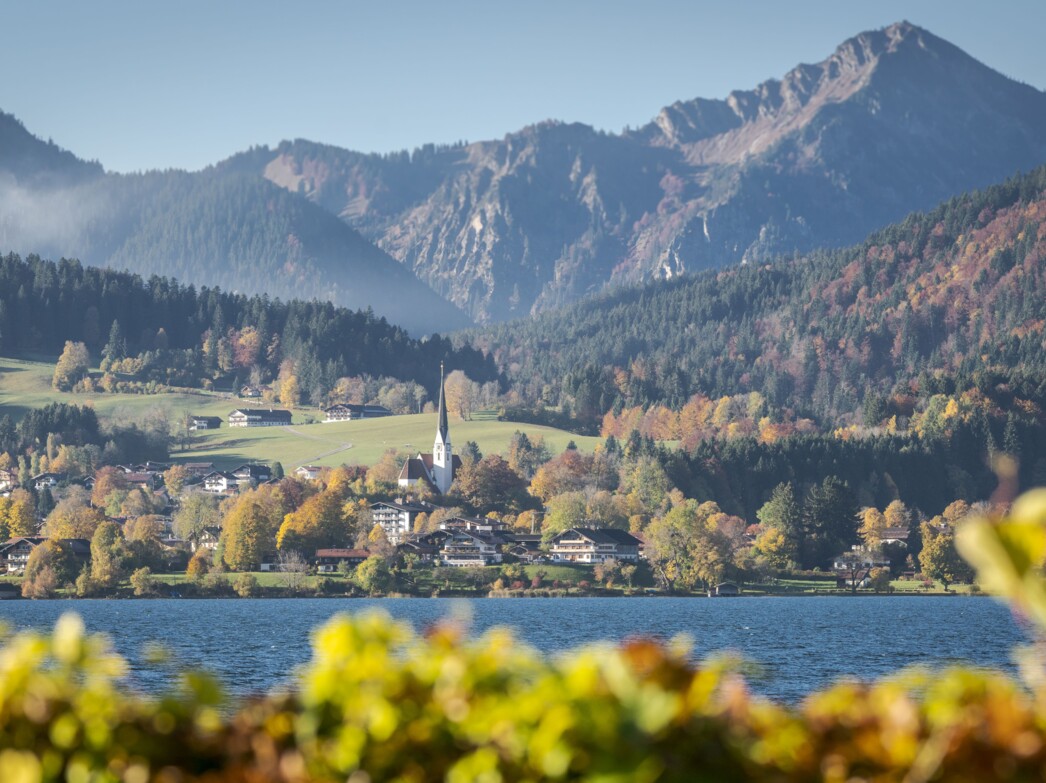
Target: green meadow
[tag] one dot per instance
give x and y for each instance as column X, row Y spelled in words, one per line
column 27, row 384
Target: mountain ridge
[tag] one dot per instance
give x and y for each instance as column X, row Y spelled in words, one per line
column 893, row 120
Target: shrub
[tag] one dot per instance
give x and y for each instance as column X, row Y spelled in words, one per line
column 143, row 582
column 245, row 585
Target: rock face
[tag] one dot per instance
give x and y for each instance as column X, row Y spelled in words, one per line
column 893, row 121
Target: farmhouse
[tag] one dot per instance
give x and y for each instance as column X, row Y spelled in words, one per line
column 344, row 411
column 594, row 545
column 260, row 417
column 309, row 472
column 328, row 560
column 252, row 473
column 219, row 482
column 204, row 422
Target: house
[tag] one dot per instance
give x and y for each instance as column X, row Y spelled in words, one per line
column 426, row 546
column 48, row 480
column 894, row 535
column 309, row 472
column 251, row 392
column 218, row 482
column 846, row 579
column 198, row 469
column 594, row 545
column 437, row 468
column 206, row 539
column 147, row 481
column 859, row 557
column 526, row 547
column 261, row 417
column 14, row 554
column 252, row 473
column 345, row 411
column 466, row 548
column 724, row 590
column 204, row 422
column 8, row 478
column 397, row 517
column 328, row 560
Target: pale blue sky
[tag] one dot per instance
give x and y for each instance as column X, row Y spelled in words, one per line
column 162, row 84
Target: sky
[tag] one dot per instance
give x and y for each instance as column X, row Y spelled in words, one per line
column 162, row 84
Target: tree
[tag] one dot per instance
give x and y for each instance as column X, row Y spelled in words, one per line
column 687, row 547
column 143, row 582
column 72, row 366
column 562, row 513
column 17, row 515
column 290, row 393
column 245, row 585
column 107, row 480
column 829, row 522
column 491, row 485
column 107, row 554
column 247, row 534
column 318, row 523
column 939, row 558
column 373, row 575
column 174, row 479
column 116, row 348
column 772, row 543
column 73, row 517
column 782, row 513
column 49, row 566
column 197, row 511
column 872, row 524
column 294, row 569
column 460, row 394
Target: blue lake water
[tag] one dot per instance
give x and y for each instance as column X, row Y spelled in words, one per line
column 796, row 644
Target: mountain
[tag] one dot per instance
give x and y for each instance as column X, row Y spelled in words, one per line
column 944, row 302
column 893, row 121
column 215, row 227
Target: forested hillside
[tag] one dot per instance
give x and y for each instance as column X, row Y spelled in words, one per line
column 180, row 334
column 938, row 299
column 214, row 228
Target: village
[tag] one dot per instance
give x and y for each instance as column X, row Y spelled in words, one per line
column 319, row 524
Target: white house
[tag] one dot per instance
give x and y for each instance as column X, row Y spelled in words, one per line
column 260, row 417
column 347, row 411
column 309, row 472
column 594, row 545
column 397, row 517
column 464, row 548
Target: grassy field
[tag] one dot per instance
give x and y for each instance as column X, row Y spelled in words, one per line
column 27, row 384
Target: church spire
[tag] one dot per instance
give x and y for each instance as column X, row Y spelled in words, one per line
column 442, row 428
column 442, row 455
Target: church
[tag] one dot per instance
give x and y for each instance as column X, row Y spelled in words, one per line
column 436, row 469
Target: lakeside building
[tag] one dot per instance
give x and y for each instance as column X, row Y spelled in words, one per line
column 14, row 553
column 397, row 517
column 345, row 411
column 437, row 468
column 594, row 545
column 261, row 417
column 328, row 560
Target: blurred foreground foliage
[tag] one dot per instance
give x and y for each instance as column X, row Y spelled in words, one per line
column 380, row 703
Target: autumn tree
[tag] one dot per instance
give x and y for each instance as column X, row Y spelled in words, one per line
column 373, row 575
column 491, row 484
column 107, row 554
column 72, row 366
column 319, row 523
column 107, row 480
column 196, row 511
column 17, row 515
column 73, row 517
column 939, row 558
column 461, row 394
column 50, row 565
column 248, row 533
column 175, row 477
column 872, row 524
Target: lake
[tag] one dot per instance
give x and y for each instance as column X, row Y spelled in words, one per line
column 796, row 644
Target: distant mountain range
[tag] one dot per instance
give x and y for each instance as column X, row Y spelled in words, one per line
column 893, row 121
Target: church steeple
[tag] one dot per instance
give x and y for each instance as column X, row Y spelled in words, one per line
column 442, row 456
column 442, row 429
